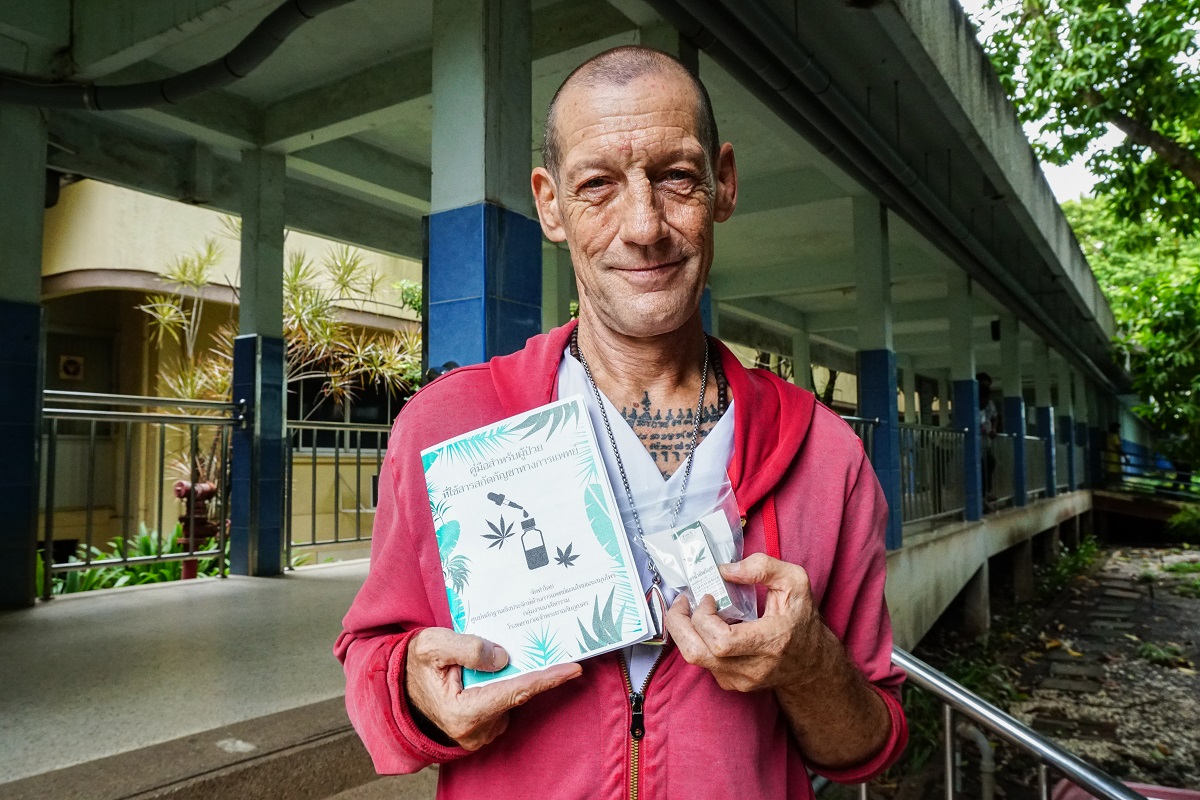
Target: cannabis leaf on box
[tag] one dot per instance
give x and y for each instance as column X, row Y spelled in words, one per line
column 565, row 557
column 500, row 534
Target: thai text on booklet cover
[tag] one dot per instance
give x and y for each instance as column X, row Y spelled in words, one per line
column 533, row 551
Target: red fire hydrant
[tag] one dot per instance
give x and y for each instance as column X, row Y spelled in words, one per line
column 197, row 528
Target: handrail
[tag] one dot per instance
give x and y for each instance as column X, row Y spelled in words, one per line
column 89, row 415
column 364, row 427
column 956, row 697
column 135, row 401
column 916, row 426
column 865, row 420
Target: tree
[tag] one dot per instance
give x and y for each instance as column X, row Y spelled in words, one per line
column 1075, row 67
column 1151, row 276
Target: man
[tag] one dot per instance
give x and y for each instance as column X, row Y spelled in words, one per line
column 987, row 434
column 634, row 179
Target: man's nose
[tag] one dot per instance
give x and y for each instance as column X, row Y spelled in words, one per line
column 642, row 221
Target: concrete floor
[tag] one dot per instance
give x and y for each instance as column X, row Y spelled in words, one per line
column 92, row 675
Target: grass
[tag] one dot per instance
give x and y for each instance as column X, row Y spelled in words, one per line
column 1189, row 589
column 1183, row 567
column 1167, row 655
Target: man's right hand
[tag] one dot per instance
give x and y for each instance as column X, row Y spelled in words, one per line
column 475, row 716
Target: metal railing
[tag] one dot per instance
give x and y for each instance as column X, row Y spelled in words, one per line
column 865, row 430
column 1000, row 483
column 931, row 472
column 97, row 457
column 958, row 701
column 1035, row 467
column 1062, row 459
column 333, row 469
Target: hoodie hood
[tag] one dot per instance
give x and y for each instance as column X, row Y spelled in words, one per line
column 771, row 416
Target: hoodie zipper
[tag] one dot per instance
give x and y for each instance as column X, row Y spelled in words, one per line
column 637, row 721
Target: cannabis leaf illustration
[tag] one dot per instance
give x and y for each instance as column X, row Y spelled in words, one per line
column 700, row 557
column 499, row 535
column 564, row 557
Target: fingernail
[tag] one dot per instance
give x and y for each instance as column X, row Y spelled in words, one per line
column 499, row 657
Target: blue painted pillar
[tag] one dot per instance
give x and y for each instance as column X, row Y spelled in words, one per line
column 485, row 247
column 1045, row 429
column 257, row 490
column 23, row 178
column 966, row 400
column 1066, row 424
column 877, row 399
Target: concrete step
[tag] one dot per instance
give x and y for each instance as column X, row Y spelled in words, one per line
column 306, row 753
column 422, row 786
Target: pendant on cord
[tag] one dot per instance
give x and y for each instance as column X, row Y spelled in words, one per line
column 658, row 616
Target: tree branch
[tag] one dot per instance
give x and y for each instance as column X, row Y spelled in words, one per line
column 1172, row 152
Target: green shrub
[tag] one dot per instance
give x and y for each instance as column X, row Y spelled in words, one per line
column 1185, row 525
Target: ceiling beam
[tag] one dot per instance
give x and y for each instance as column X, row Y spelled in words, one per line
column 109, row 35
column 796, row 187
column 765, row 311
column 368, row 170
column 782, row 279
column 86, row 145
column 916, row 311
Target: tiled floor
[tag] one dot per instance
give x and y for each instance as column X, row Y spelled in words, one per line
column 92, row 675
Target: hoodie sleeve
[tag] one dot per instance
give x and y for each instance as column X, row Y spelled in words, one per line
column 854, row 608
column 393, row 605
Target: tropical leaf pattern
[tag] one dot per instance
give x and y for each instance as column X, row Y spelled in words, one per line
column 602, row 527
column 606, row 630
column 447, row 538
column 457, row 571
column 477, row 445
column 458, row 611
column 554, row 418
column 428, row 458
column 542, row 649
column 587, row 463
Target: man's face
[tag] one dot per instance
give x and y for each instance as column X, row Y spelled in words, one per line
column 635, row 200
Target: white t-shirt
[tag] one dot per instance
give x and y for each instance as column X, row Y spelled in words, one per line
column 647, row 484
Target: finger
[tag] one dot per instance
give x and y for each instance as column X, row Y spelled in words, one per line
column 690, row 645
column 722, row 639
column 494, row 699
column 447, row 648
column 770, row 572
column 484, row 734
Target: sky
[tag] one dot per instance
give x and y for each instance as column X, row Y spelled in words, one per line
column 1068, row 182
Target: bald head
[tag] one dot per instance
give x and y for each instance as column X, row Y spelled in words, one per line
column 619, row 67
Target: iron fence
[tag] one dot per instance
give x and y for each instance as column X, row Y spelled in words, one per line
column 105, row 465
column 1000, row 469
column 333, row 473
column 1035, row 467
column 931, row 472
column 864, row 429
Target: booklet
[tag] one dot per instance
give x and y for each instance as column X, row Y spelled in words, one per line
column 533, row 550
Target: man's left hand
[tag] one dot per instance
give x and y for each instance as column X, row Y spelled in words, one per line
column 773, row 651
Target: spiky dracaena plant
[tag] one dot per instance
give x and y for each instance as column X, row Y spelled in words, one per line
column 320, row 342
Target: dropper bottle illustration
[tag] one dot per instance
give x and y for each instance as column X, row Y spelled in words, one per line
column 532, row 540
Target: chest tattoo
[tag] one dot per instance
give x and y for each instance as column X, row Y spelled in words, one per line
column 667, row 432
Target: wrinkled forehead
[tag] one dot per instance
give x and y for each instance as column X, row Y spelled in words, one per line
column 660, row 108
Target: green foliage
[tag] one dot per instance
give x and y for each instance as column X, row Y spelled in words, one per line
column 1167, row 655
column 411, row 295
column 1070, row 564
column 1183, row 567
column 1076, row 67
column 144, row 544
column 606, row 629
column 1189, row 589
column 1184, row 526
column 1151, row 277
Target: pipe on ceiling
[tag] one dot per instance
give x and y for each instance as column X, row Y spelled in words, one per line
column 754, row 41
column 239, row 62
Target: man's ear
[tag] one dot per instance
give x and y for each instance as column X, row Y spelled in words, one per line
column 545, row 198
column 727, row 184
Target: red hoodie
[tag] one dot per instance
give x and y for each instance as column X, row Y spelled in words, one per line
column 809, row 495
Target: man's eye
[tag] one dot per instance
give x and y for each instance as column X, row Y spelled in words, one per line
column 594, row 183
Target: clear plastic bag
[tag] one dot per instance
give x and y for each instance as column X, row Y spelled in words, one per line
column 687, row 547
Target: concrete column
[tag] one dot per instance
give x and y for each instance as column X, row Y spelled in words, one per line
column 23, row 176
column 714, row 309
column 1082, row 430
column 802, row 359
column 1051, row 543
column 1066, row 422
column 1014, row 402
column 485, row 263
column 1045, row 413
column 706, row 310
column 966, row 389
column 876, row 356
column 975, row 604
column 558, row 286
column 259, row 373
column 909, row 381
column 1022, row 571
column 945, row 392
